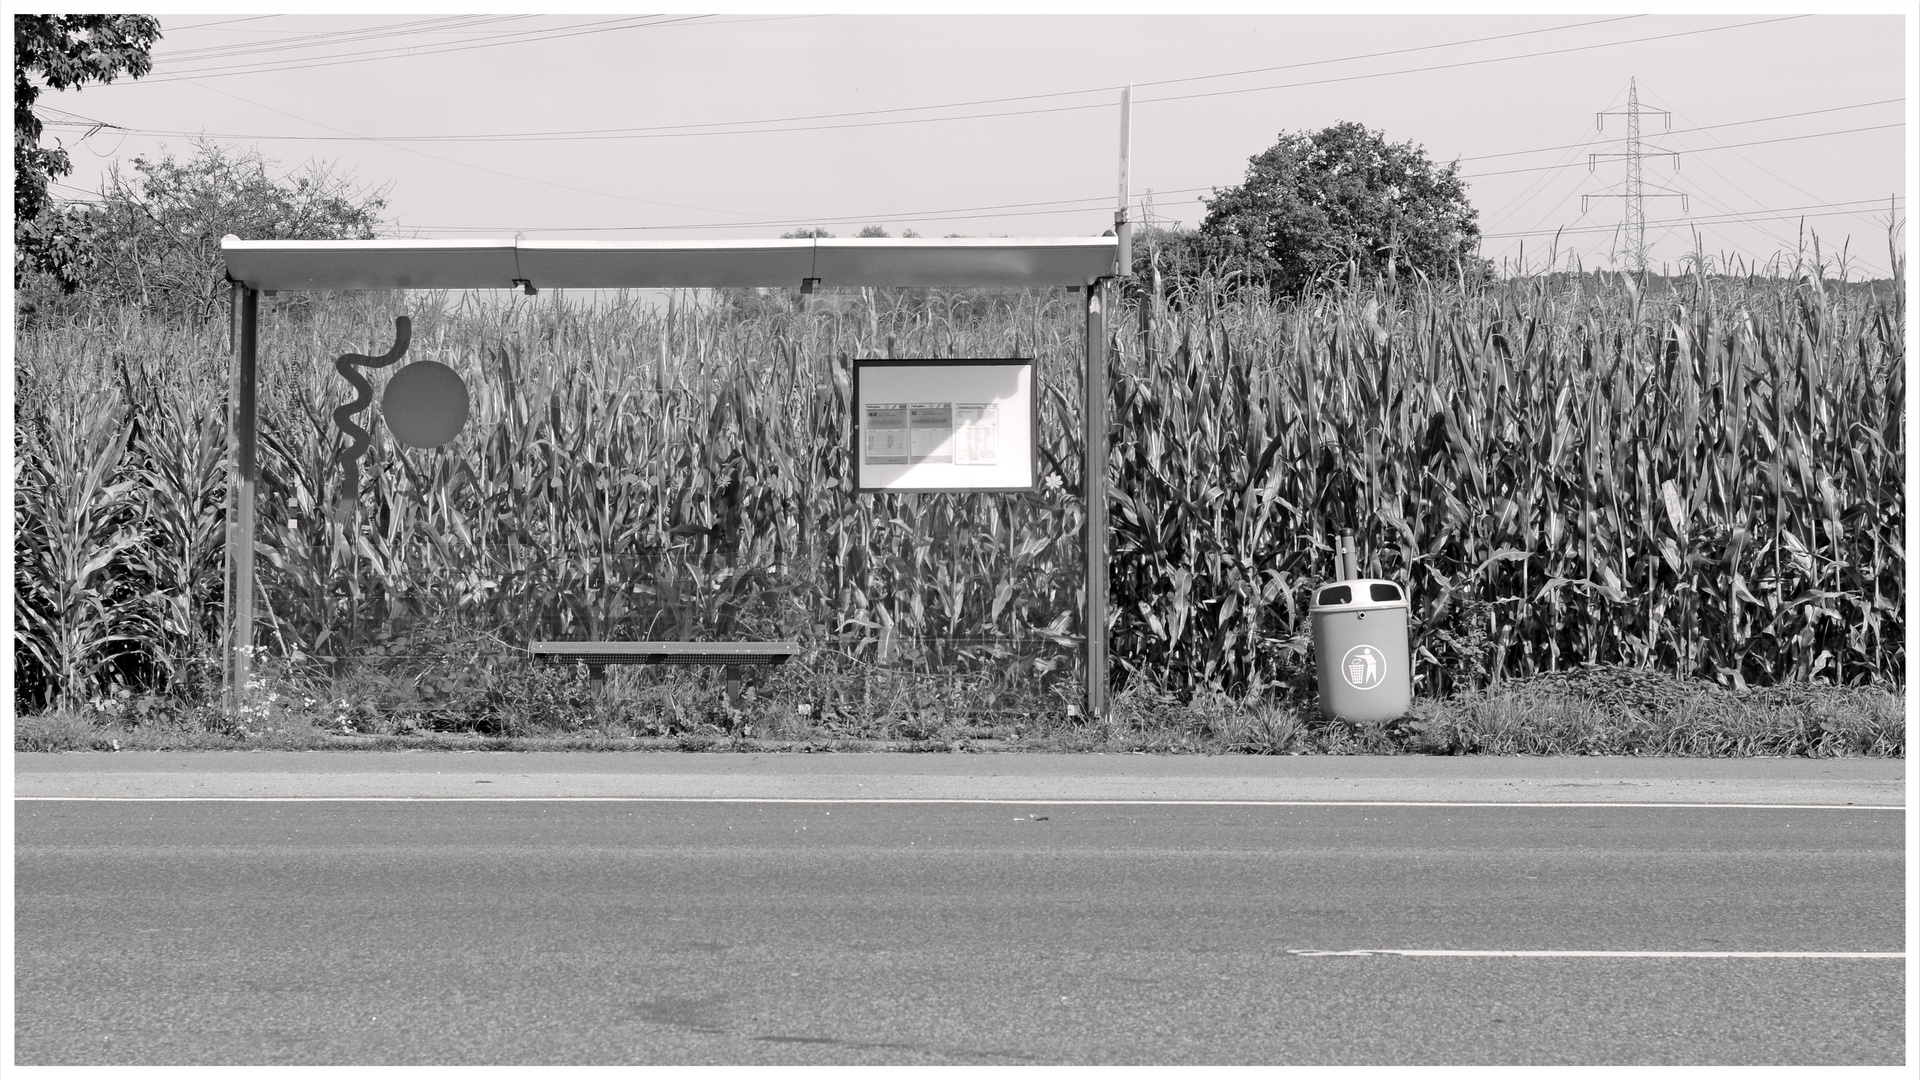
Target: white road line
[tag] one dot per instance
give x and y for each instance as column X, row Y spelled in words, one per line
column 947, row 802
column 1606, row 953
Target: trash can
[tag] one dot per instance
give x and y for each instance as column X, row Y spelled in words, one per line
column 1360, row 650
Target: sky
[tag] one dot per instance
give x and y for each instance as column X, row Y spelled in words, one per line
column 1761, row 125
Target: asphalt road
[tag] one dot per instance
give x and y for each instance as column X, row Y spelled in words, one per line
column 684, row 930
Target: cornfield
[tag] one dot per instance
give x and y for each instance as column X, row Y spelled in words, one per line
column 1713, row 488
column 1707, row 483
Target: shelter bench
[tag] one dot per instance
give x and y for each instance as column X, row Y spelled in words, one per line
column 596, row 655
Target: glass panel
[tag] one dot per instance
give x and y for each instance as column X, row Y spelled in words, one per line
column 1335, row 594
column 1381, row 590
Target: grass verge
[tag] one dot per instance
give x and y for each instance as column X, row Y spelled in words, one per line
column 1600, row 711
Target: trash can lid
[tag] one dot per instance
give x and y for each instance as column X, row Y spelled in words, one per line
column 1357, row 594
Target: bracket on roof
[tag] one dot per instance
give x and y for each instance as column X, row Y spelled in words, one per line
column 525, row 285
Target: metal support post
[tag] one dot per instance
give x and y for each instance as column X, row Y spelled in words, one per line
column 1094, row 484
column 1122, row 228
column 240, row 602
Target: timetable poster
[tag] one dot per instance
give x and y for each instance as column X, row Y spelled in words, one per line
column 944, row 425
column 932, row 431
column 976, row 434
column 886, row 441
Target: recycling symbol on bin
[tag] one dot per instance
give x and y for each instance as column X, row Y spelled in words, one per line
column 1364, row 667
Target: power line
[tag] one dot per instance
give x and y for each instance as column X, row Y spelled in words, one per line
column 1775, row 237
column 362, row 34
column 1075, row 205
column 495, row 171
column 229, row 57
column 705, row 130
column 165, row 61
column 88, row 123
column 968, row 213
column 1762, row 168
column 1539, row 186
column 622, row 132
column 1023, row 209
column 448, row 25
column 1061, row 207
column 1387, row 52
column 1317, row 82
column 1683, row 131
column 1735, row 216
column 477, row 168
column 613, row 133
column 1077, row 209
column 221, row 22
column 334, row 37
column 1492, row 60
column 1755, row 221
column 516, row 38
column 1080, row 206
column 1701, row 150
column 1784, row 213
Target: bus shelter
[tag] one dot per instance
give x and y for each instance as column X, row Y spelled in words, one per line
column 266, row 267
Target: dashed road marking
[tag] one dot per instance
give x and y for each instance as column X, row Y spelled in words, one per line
column 1607, row 953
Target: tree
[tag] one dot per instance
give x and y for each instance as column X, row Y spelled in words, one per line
column 1313, row 203
column 63, row 51
column 155, row 236
column 1170, row 260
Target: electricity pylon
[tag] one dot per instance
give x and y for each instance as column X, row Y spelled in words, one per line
column 1635, row 194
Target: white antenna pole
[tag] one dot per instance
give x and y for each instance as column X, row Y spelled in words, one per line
column 1122, row 228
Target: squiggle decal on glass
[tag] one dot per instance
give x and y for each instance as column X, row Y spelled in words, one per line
column 363, row 396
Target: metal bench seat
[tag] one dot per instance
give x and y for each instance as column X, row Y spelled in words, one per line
column 597, row 655
column 600, row 653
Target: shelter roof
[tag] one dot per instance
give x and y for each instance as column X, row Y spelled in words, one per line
column 957, row 262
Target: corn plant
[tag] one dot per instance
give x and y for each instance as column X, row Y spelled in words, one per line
column 80, row 612
column 178, row 471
